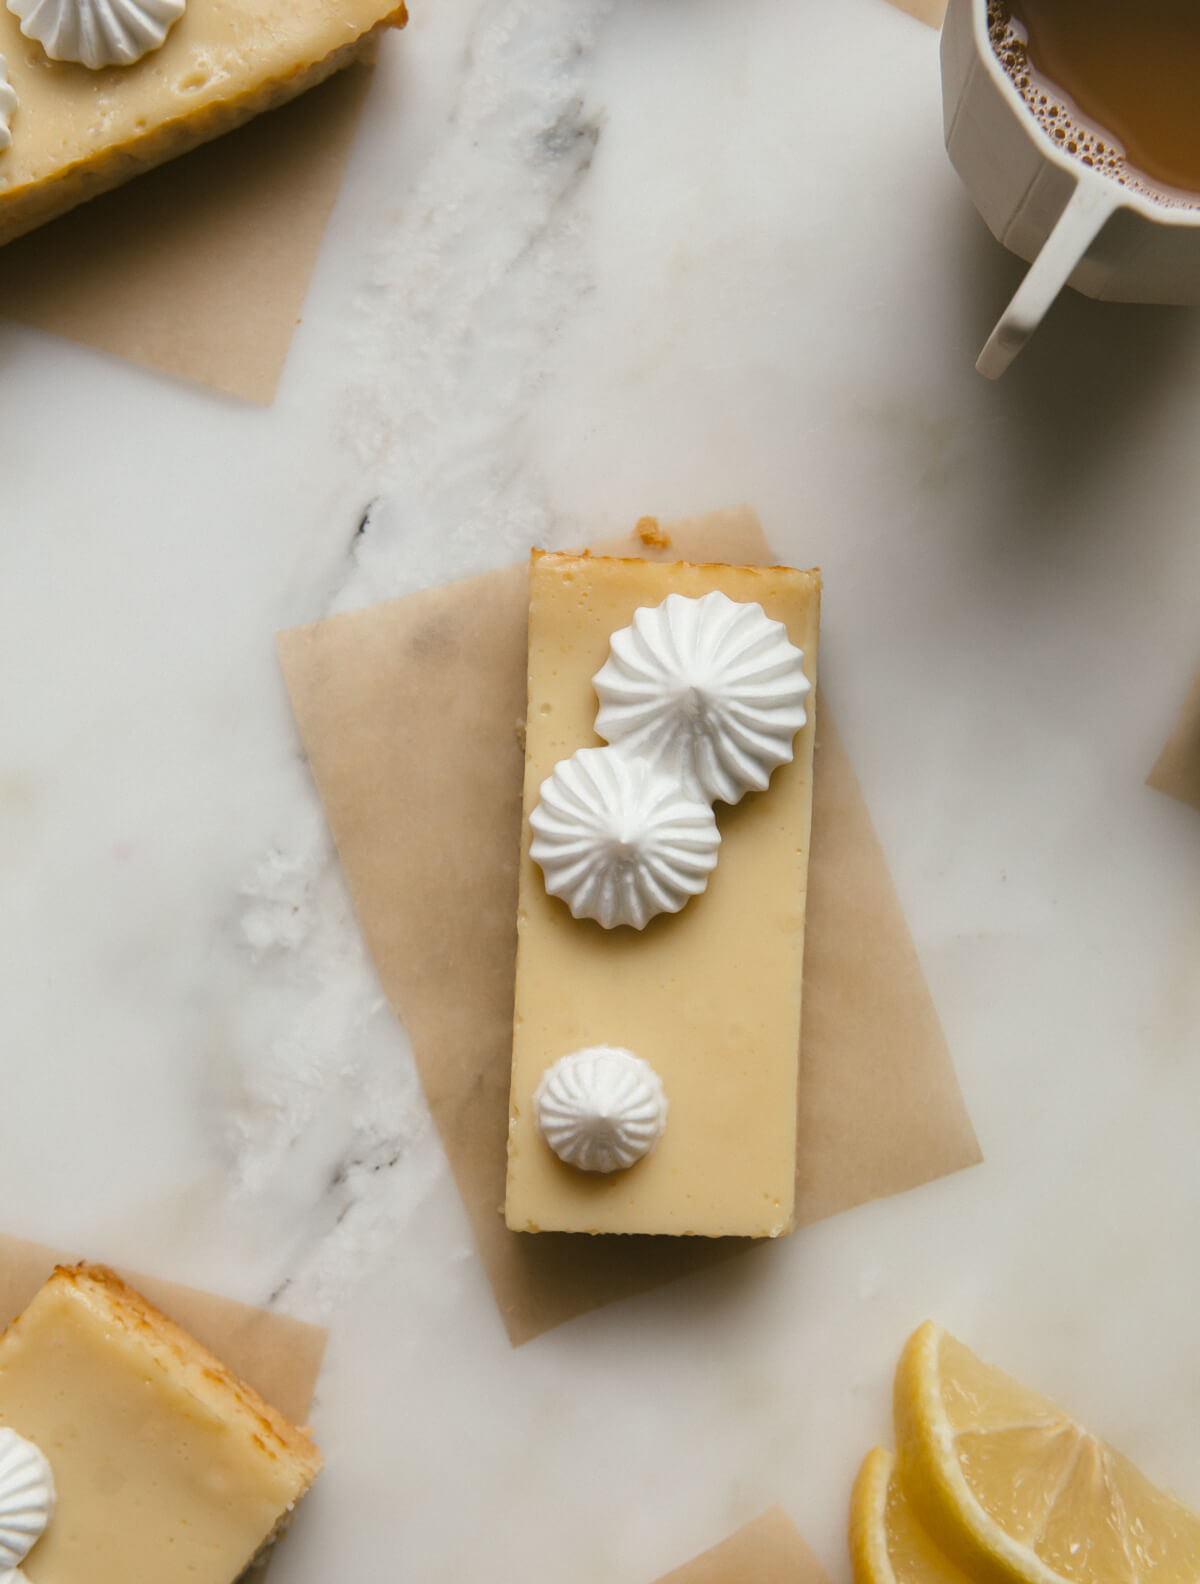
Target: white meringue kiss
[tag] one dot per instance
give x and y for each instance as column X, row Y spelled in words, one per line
column 98, row 33
column 618, row 842
column 601, row 1109
column 710, row 691
column 8, row 105
column 26, row 1499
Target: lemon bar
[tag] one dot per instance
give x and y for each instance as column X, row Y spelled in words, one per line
column 165, row 1466
column 75, row 132
column 692, row 1014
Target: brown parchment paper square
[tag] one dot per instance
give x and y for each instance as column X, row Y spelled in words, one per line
column 199, row 267
column 411, row 714
column 928, row 11
column 278, row 1356
column 1177, row 772
column 770, row 1550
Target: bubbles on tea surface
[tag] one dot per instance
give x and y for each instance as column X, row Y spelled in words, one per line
column 1063, row 124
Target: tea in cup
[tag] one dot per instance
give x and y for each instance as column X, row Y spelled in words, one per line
column 1075, row 125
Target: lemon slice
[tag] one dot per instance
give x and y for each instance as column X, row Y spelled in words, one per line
column 1014, row 1490
column 887, row 1543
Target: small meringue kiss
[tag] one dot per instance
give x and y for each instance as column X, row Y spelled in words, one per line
column 600, row 1109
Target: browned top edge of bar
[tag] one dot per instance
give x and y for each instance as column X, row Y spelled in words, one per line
column 536, row 555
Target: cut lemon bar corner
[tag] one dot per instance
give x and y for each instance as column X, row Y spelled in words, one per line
column 77, row 132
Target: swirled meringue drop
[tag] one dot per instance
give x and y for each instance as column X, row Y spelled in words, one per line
column 98, row 33
column 8, row 105
column 618, row 842
column 600, row 1109
column 709, row 690
column 26, row 1500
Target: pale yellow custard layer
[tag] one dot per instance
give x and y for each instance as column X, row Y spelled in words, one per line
column 77, row 132
column 167, row 1469
column 710, row 996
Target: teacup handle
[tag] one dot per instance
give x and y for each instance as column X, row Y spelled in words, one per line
column 1089, row 207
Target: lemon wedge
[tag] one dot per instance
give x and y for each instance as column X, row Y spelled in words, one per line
column 1015, row 1491
column 887, row 1543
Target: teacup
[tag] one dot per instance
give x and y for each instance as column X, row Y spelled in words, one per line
column 1075, row 225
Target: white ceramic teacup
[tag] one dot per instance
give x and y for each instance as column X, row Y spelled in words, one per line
column 1075, row 225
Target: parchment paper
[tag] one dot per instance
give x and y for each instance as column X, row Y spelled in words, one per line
column 278, row 1356
column 199, row 267
column 768, row 1551
column 929, row 11
column 411, row 714
column 1177, row 772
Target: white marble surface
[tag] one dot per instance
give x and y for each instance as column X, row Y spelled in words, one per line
column 594, row 260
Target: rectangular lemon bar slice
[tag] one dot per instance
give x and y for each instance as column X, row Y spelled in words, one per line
column 166, row 1466
column 77, row 132
column 710, row 996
